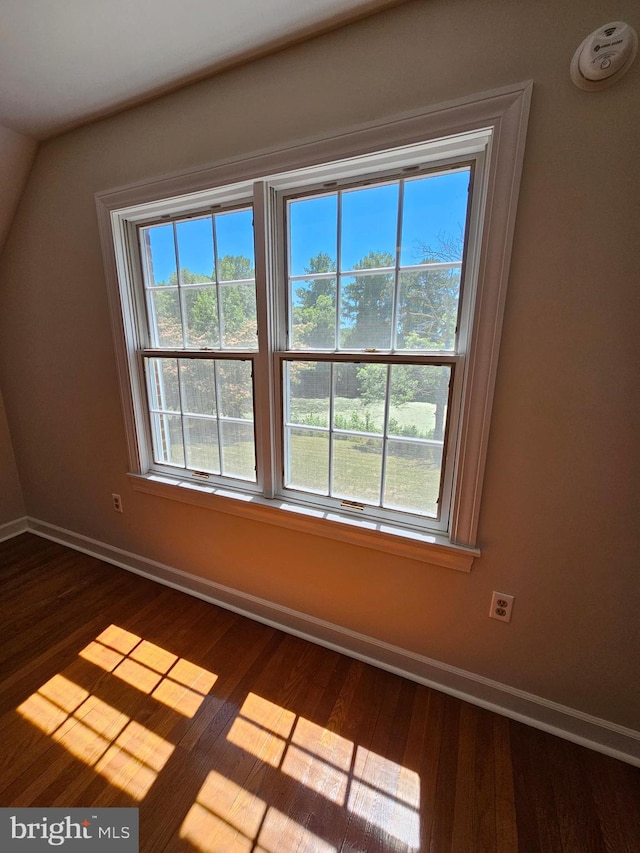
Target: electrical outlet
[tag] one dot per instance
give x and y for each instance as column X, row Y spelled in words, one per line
column 501, row 606
column 117, row 502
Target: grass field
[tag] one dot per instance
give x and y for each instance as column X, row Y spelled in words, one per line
column 418, row 415
column 412, row 476
column 412, row 473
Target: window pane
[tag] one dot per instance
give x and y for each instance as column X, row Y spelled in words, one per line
column 360, row 391
column 162, row 384
column 418, row 401
column 428, row 309
column 234, row 235
column 201, row 307
column 195, row 250
column 308, row 391
column 235, row 390
column 239, row 323
column 313, row 234
column 313, row 313
column 201, row 435
column 388, row 420
column 369, row 228
column 167, row 439
column 166, row 323
column 158, row 255
column 198, row 386
column 357, row 468
column 434, row 217
column 417, row 417
column 412, row 480
column 307, row 460
column 238, row 450
column 366, row 304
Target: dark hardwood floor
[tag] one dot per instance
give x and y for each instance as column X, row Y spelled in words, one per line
column 232, row 736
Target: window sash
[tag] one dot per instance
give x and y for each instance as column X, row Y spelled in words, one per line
column 221, row 420
column 382, row 432
column 406, row 517
column 216, row 283
column 285, row 273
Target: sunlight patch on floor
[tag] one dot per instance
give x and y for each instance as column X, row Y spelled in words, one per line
column 228, row 819
column 280, row 753
column 225, row 816
column 122, row 750
column 262, row 728
column 320, row 759
column 174, row 681
column 363, row 784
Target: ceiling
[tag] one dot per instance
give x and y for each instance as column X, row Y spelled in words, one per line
column 64, row 62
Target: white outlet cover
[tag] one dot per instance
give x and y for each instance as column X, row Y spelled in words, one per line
column 501, row 606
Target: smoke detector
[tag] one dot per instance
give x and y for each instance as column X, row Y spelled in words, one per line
column 604, row 56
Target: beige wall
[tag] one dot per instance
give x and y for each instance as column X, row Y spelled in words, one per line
column 11, row 504
column 16, row 156
column 559, row 517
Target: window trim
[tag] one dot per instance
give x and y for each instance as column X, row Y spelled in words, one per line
column 496, row 120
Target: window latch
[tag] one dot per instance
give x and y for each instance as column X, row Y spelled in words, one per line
column 352, row 505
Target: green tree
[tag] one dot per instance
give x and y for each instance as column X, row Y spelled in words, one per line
column 201, row 309
column 405, row 385
column 314, row 311
column 428, row 304
column 366, row 305
column 235, row 268
column 428, row 315
column 238, row 302
column 188, row 277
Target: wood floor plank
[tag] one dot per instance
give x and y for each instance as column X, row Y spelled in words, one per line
column 444, row 803
column 422, row 755
column 616, row 794
column 536, row 789
column 463, row 836
column 484, row 813
column 505, row 818
column 231, row 736
column 575, row 806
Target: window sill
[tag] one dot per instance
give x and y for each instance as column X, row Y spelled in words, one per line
column 426, row 547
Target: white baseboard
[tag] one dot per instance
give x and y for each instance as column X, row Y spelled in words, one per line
column 13, row 528
column 569, row 723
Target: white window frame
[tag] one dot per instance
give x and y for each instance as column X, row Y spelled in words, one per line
column 488, row 128
column 379, row 171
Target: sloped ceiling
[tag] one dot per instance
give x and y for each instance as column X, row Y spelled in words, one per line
column 63, row 63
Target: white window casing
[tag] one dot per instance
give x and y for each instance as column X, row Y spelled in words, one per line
column 487, row 132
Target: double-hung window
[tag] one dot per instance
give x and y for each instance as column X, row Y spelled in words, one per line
column 317, row 340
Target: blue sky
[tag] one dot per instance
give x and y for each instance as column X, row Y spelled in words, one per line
column 434, row 207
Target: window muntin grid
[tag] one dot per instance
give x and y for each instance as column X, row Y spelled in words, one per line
column 201, row 415
column 377, row 276
column 365, row 434
column 199, row 281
